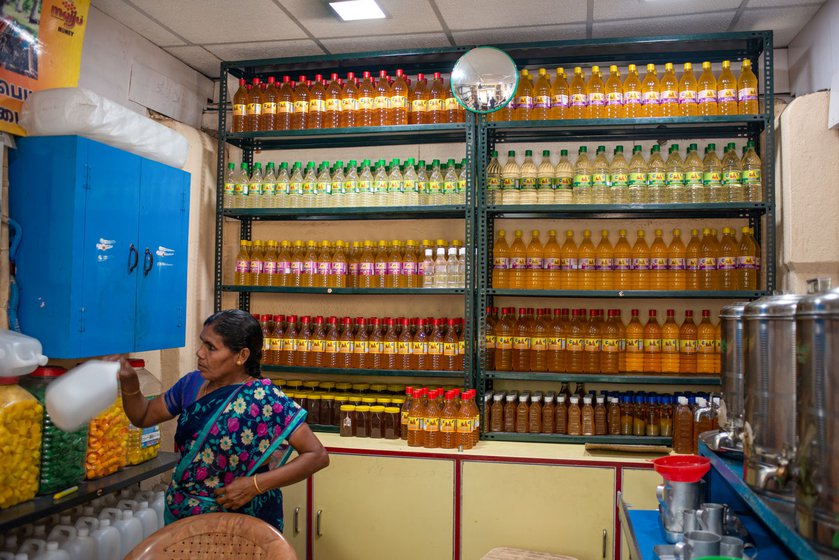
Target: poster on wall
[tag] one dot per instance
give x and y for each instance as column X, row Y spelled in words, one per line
column 40, row 48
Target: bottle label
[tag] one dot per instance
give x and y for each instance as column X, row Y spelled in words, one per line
column 670, row 345
column 614, row 98
column 652, row 345
column 591, row 345
column 229, row 188
column 297, row 268
column 610, row 345
column 409, row 268
column 349, row 104
column 325, row 268
column 687, row 346
column 586, row 263
column 379, row 186
column 524, row 102
column 451, row 104
column 283, row 267
column 632, row 98
column 518, row 263
column 619, row 180
column 450, row 348
column 574, row 344
column 414, row 423
column 651, row 98
column 600, row 179
column 318, row 345
column 655, row 179
column 711, row 177
column 687, row 96
column 302, row 345
column 542, row 102
column 269, row 108
column 239, row 109
column 534, row 263
column 389, row 347
column 448, row 425
column 284, row 107
column 333, row 104
column 634, row 344
column 418, row 105
column 380, row 268
column 269, row 189
column 365, row 103
column 376, row 347
column 301, row 106
column 560, row 101
column 449, row 187
column 731, row 178
column 545, row 183
column 538, row 344
column 623, row 263
column 331, row 347
column 398, row 102
column 745, row 262
column 707, row 263
column 669, row 97
column 434, row 105
column 407, row 186
column 381, row 102
column 431, row 424
column 596, row 99
column 504, row 342
column 276, row 344
column 243, row 266
column 581, row 180
column 254, row 109
column 604, row 265
column 350, row 187
column 434, row 187
column 528, row 183
column 676, row 263
column 435, row 348
column 419, row 347
column 564, row 183
column 289, row 344
column 751, row 175
column 494, row 183
column 310, row 267
column 641, row 263
column 578, row 99
column 308, row 188
column 367, row 269
column 726, row 95
column 501, row 263
column 464, row 426
column 521, row 343
column 693, row 177
column 269, row 267
column 403, row 348
column 509, row 183
column 317, row 105
column 295, row 188
column 556, row 344
column 658, row 263
column 365, row 187
column 637, row 179
column 489, row 342
column 241, row 188
column 692, row 264
column 706, row 346
column 551, row 263
column 567, row 264
column 394, row 268
column 747, row 94
column 255, row 189
column 707, row 96
column 726, row 263
column 675, row 178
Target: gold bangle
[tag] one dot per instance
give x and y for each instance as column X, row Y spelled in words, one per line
column 255, row 485
column 129, row 394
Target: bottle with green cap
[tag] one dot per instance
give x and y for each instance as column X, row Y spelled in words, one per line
column 310, row 180
column 324, row 187
column 461, row 182
column 351, row 185
column 422, row 182
column 637, row 177
column 295, row 186
column 751, row 173
column 582, row 178
column 435, row 184
column 712, row 175
column 339, row 199
column 656, row 176
column 528, row 180
column 254, row 187
column 365, row 185
column 229, row 185
column 450, row 183
column 694, row 170
column 732, row 174
column 563, row 179
column 675, row 179
column 493, row 180
column 269, row 187
column 510, row 180
column 395, row 184
column 240, row 186
column 545, row 179
column 619, row 177
column 410, row 184
column 283, row 186
column 380, row 183
column 600, row 178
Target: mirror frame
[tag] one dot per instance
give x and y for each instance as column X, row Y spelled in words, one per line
column 499, row 107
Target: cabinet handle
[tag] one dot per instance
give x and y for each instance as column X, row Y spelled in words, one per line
column 148, row 261
column 297, row 520
column 605, row 539
column 132, row 263
column 317, row 523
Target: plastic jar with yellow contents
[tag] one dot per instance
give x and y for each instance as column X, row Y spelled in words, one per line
column 143, row 443
column 106, row 442
column 21, row 416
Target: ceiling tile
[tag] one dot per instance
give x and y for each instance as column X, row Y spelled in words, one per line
column 781, row 3
column 403, row 16
column 198, row 58
column 520, row 34
column 479, row 14
column 785, row 22
column 195, row 20
column 266, row 49
column 134, row 20
column 633, row 9
column 698, row 23
column 384, row 43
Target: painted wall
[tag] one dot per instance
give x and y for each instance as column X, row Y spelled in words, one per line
column 814, row 53
column 121, row 65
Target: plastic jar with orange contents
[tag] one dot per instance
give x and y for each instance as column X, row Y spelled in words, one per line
column 106, row 442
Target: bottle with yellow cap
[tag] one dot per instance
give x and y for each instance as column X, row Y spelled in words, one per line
column 256, row 265
column 596, row 96
column 614, row 94
column 747, row 90
column 669, row 101
column 578, row 96
column 541, row 97
column 687, row 92
column 651, row 93
column 727, row 91
column 242, row 263
column 524, row 97
column 632, row 98
column 559, row 95
column 707, row 91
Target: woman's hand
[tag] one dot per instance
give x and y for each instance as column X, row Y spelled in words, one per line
column 128, row 379
column 237, row 494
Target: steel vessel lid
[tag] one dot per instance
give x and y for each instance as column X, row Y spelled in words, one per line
column 733, row 310
column 781, row 306
column 823, row 304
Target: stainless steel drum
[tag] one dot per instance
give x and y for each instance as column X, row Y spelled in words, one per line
column 732, row 378
column 817, row 457
column 769, row 422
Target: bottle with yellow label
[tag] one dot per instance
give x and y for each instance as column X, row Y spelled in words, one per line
column 366, row 101
column 688, row 96
column 317, row 103
column 694, row 170
column 676, row 192
column 300, row 116
column 559, row 96
column 285, row 105
column 712, row 175
column 727, row 91
column 253, row 112
column 382, row 114
column 448, row 421
column 652, row 344
column 349, row 103
column 581, row 189
column 600, row 178
column 750, row 167
column 332, row 115
column 268, row 95
column 240, row 107
column 619, row 177
column 521, row 341
column 637, row 188
column 436, row 100
column 732, row 177
column 399, row 94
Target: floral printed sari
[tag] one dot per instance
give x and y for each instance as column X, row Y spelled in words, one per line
column 231, row 433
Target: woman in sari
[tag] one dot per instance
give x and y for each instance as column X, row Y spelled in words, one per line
column 231, row 425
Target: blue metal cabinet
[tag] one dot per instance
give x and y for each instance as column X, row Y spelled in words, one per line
column 103, row 256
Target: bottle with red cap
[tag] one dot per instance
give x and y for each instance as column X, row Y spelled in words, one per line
column 346, row 342
column 419, row 101
column 254, row 108
column 332, row 115
column 285, row 105
column 317, row 104
column 434, row 112
column 416, row 416
column 361, row 345
column 381, row 101
column 448, row 421
column 366, row 101
column 399, row 93
column 300, row 116
column 267, row 119
column 266, row 322
column 303, row 344
column 431, row 421
column 240, row 107
column 349, row 103
column 330, row 353
column 288, row 355
column 318, row 347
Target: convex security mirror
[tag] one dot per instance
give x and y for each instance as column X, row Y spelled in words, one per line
column 484, row 80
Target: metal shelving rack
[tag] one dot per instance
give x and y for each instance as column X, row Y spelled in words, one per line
column 713, row 47
column 425, row 60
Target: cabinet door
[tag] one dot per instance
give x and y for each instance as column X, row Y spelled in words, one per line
column 162, row 241
column 109, row 284
column 546, row 508
column 295, row 515
column 638, row 489
column 384, row 507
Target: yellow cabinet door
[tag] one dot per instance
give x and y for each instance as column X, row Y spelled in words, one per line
column 295, row 512
column 547, row 508
column 363, row 507
column 638, row 489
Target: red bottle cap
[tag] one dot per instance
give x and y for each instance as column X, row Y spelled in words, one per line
column 652, row 313
column 689, row 313
column 301, row 79
column 366, row 74
column 256, row 81
column 382, row 73
column 286, row 79
column 671, row 312
column 420, row 77
column 635, row 312
column 399, row 72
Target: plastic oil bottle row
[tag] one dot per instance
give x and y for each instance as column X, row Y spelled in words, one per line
column 705, row 263
column 682, row 416
column 360, row 264
column 692, row 179
column 390, row 343
column 368, row 184
column 341, row 103
column 537, row 98
column 434, row 419
column 568, row 341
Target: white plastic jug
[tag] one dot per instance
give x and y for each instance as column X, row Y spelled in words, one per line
column 87, row 522
column 79, row 395
column 33, row 547
column 66, row 537
column 131, row 531
column 146, row 515
column 81, row 546
column 13, row 556
column 159, row 505
column 52, row 552
column 108, row 541
column 19, row 354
